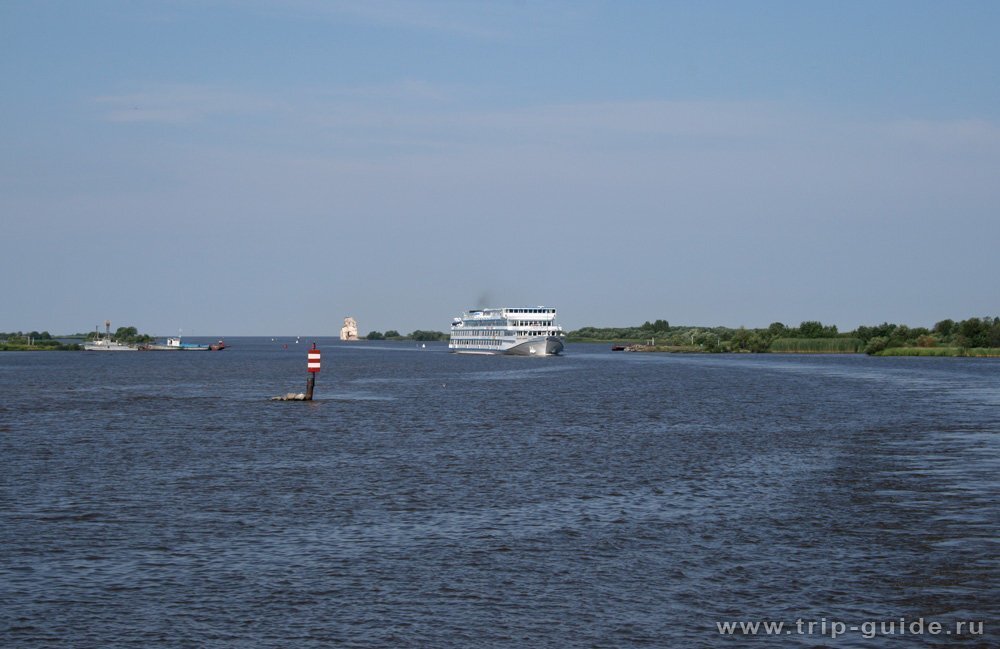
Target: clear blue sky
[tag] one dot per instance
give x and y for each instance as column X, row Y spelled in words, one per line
column 259, row 167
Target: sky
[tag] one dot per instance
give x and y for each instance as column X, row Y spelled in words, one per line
column 263, row 168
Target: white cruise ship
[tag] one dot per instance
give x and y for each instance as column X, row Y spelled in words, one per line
column 526, row 331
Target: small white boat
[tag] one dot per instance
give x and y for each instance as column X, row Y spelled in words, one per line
column 106, row 345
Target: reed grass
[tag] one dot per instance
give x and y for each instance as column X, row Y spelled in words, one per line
column 816, row 345
column 973, row 352
column 671, row 349
column 983, row 352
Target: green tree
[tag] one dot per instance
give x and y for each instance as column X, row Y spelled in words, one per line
column 945, row 327
column 375, row 335
column 759, row 343
column 973, row 333
column 811, row 329
column 884, row 330
column 876, row 344
column 994, row 333
column 708, row 341
column 900, row 337
column 777, row 329
column 392, row 333
column 126, row 334
column 740, row 340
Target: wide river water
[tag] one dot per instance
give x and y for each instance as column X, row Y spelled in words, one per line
column 426, row 499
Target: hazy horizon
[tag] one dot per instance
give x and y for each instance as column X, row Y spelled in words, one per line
column 239, row 169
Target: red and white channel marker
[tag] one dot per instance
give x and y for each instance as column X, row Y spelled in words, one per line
column 312, row 363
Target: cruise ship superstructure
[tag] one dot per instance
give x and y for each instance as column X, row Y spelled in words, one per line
column 525, row 331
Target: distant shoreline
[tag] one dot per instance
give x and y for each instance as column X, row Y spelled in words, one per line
column 926, row 352
column 974, row 337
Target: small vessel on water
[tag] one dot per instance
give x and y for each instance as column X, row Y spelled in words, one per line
column 175, row 345
column 523, row 331
column 106, row 344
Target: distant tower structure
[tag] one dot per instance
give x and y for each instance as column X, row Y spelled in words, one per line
column 350, row 329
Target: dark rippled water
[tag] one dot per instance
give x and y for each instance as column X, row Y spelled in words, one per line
column 433, row 500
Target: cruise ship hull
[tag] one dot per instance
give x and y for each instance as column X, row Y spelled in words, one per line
column 549, row 346
column 536, row 347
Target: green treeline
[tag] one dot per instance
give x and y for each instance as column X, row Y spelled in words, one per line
column 419, row 335
column 43, row 340
column 32, row 341
column 972, row 337
column 624, row 334
column 974, row 333
column 9, row 336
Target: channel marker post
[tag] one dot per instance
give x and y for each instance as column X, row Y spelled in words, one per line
column 312, row 365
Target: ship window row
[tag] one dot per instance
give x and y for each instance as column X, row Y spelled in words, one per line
column 506, row 323
column 481, row 335
column 531, row 310
column 467, row 342
column 492, row 333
